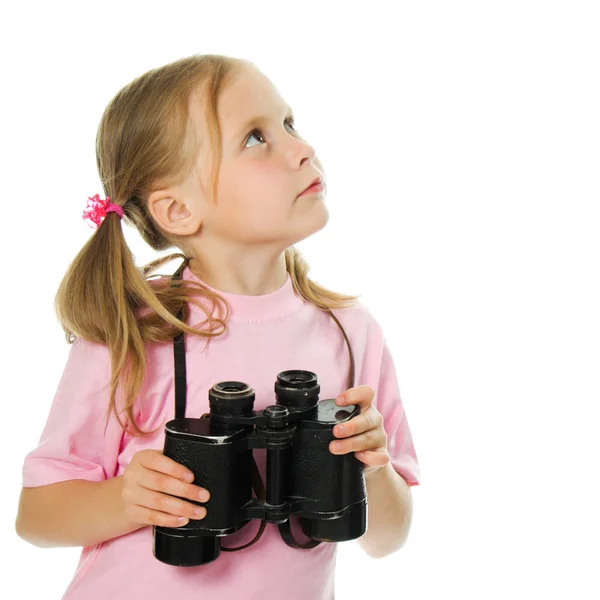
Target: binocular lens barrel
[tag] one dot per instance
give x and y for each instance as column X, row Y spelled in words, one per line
column 231, row 398
column 185, row 548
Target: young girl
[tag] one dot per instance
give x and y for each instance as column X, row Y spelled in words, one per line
column 202, row 154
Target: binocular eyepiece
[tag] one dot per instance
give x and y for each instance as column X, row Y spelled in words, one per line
column 304, row 479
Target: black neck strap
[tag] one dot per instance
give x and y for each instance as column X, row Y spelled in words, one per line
column 179, row 352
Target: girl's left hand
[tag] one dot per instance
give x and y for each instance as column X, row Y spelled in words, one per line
column 364, row 434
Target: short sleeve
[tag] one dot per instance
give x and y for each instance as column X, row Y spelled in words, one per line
column 76, row 443
column 388, row 402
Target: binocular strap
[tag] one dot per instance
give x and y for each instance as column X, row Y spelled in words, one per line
column 257, row 482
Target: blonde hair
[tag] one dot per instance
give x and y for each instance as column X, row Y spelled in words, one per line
column 145, row 140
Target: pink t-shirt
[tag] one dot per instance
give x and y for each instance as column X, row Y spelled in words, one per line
column 266, row 335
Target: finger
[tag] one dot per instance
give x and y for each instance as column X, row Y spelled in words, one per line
column 370, row 419
column 157, row 461
column 361, row 395
column 153, row 501
column 147, row 516
column 374, row 438
column 159, row 482
column 374, row 458
column 173, row 473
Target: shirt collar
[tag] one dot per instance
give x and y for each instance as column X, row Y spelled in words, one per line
column 253, row 309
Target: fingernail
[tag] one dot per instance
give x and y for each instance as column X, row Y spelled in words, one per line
column 339, row 430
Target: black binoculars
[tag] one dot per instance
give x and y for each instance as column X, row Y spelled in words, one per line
column 304, row 479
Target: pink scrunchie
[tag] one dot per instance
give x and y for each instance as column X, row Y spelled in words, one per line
column 97, row 209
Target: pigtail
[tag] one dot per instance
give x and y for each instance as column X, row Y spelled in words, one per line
column 105, row 298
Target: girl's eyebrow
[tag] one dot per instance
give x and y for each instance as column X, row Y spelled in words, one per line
column 256, row 122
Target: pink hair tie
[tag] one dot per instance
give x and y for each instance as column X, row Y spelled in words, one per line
column 97, row 209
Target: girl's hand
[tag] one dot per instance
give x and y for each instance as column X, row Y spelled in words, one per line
column 364, row 435
column 149, row 483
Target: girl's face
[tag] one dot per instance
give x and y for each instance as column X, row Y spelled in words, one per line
column 264, row 168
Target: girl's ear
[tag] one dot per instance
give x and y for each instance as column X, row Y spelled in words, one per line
column 173, row 213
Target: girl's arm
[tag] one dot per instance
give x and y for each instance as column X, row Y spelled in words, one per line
column 73, row 513
column 70, row 495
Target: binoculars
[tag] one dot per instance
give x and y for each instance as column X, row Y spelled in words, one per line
column 304, row 479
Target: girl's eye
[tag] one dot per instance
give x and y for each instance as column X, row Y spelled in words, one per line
column 255, row 133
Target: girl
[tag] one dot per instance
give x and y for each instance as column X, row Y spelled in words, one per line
column 98, row 477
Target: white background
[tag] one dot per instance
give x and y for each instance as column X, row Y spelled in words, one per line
column 461, row 146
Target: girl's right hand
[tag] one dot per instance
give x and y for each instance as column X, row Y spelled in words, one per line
column 149, row 483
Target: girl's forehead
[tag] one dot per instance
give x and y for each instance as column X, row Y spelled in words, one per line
column 247, row 96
